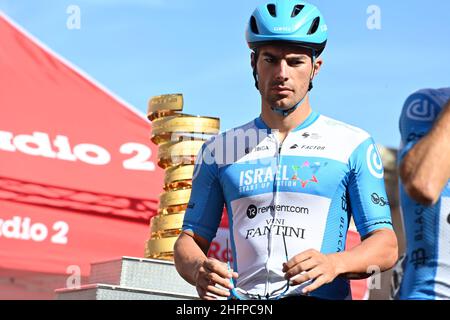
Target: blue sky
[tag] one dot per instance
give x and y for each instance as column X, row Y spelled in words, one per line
column 142, row 48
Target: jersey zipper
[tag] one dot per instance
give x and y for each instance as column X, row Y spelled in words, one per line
column 279, row 150
column 275, row 201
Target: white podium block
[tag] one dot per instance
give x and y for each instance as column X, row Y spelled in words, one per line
column 132, row 278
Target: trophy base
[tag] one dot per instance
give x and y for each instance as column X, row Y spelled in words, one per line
column 131, row 278
column 109, row 292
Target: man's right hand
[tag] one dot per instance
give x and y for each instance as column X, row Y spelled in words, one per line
column 212, row 272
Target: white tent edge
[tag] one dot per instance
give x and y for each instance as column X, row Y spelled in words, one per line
column 72, row 66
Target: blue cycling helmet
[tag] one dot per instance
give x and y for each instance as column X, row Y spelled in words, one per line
column 290, row 21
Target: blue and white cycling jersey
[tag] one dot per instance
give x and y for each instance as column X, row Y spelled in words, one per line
column 306, row 188
column 426, row 267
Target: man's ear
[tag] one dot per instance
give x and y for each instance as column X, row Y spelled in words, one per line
column 252, row 60
column 317, row 66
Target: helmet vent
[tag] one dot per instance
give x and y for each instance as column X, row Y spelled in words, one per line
column 272, row 10
column 314, row 26
column 297, row 9
column 253, row 25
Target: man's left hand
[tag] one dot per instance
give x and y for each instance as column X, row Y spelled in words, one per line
column 311, row 265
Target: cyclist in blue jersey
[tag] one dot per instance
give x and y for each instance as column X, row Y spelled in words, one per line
column 424, row 158
column 290, row 179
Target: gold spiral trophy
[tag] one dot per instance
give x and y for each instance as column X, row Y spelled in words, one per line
column 179, row 138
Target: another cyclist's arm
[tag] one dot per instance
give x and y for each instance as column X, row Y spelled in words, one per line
column 425, row 169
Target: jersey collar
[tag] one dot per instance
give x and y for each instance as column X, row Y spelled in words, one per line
column 259, row 122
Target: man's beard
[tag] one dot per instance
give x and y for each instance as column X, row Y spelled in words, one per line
column 280, row 103
column 285, row 102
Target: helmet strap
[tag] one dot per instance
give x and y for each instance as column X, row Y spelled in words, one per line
column 311, row 86
column 285, row 113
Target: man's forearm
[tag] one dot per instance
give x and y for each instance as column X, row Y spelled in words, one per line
column 379, row 250
column 443, row 123
column 426, row 168
column 188, row 256
column 440, row 133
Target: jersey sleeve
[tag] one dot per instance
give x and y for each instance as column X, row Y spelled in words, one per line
column 417, row 118
column 367, row 192
column 205, row 207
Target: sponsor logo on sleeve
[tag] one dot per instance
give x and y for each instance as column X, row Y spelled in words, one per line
column 374, row 162
column 376, row 199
